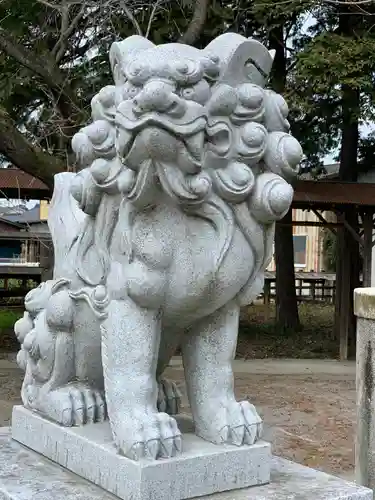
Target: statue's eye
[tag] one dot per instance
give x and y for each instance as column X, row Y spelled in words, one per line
column 130, row 91
column 188, row 93
column 185, row 71
column 137, row 73
column 185, row 67
column 200, row 92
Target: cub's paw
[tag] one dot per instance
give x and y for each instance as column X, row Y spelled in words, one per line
column 74, row 405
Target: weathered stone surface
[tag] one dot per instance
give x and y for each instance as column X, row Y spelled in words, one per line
column 160, row 238
column 89, row 451
column 364, row 303
column 364, row 300
column 25, row 475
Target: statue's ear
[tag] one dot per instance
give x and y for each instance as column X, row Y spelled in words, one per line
column 121, row 53
column 242, row 60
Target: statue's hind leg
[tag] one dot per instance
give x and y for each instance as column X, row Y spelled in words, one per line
column 208, row 352
column 87, row 347
column 169, row 397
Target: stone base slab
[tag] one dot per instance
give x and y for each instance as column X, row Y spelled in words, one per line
column 26, row 475
column 202, row 469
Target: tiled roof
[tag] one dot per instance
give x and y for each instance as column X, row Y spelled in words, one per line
column 17, row 179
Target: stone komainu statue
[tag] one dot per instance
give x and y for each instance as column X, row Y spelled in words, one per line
column 159, row 240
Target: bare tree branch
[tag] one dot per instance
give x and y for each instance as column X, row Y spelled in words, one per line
column 67, row 28
column 29, row 158
column 49, row 73
column 47, row 4
column 332, row 2
column 131, row 18
column 151, row 18
column 197, row 22
column 28, row 59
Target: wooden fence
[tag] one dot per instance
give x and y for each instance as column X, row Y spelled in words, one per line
column 310, row 287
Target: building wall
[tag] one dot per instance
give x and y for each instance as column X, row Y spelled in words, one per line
column 9, row 249
column 312, row 237
column 44, row 206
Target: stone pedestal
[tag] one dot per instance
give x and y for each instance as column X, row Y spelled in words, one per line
column 202, row 468
column 26, row 475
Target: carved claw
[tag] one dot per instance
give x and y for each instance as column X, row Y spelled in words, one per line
column 250, row 428
column 236, row 423
column 169, row 397
column 74, row 405
column 152, row 437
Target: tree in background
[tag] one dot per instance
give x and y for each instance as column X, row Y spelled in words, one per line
column 329, row 250
column 327, row 75
column 54, row 58
column 338, row 64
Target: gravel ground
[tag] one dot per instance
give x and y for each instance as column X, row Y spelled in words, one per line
column 309, row 419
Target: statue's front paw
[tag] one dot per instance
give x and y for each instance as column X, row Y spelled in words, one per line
column 74, row 405
column 235, row 423
column 169, row 397
column 149, row 435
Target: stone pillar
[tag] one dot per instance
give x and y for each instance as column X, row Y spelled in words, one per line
column 364, row 309
column 373, row 266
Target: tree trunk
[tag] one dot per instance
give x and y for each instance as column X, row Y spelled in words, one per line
column 348, row 255
column 286, row 299
column 197, row 23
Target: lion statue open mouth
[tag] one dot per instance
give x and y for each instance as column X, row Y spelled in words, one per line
column 186, row 166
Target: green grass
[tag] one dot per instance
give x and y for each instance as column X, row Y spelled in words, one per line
column 8, row 340
column 9, row 317
column 260, row 338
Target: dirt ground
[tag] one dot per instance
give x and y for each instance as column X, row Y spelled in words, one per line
column 308, row 418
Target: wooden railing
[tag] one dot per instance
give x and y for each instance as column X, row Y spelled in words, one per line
column 310, row 287
column 17, row 275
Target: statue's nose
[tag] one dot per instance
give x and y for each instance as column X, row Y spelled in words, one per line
column 155, row 96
